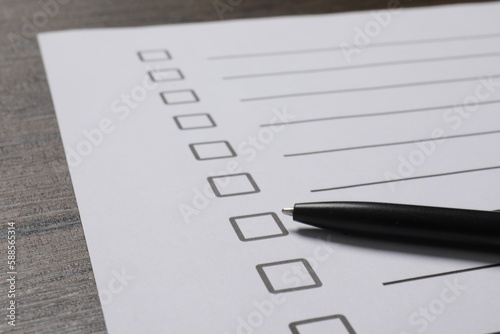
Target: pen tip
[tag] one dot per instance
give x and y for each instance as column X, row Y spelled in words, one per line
column 287, row 211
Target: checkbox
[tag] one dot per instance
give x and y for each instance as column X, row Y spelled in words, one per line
column 333, row 324
column 194, row 121
column 212, row 150
column 233, row 185
column 179, row 96
column 165, row 75
column 154, row 55
column 258, row 226
column 287, row 276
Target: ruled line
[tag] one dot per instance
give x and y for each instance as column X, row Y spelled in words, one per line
column 386, row 113
column 372, row 45
column 373, row 88
column 353, row 67
column 392, row 144
column 407, row 179
column 441, row 274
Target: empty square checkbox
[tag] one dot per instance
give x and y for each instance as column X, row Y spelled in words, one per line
column 179, row 96
column 194, row 121
column 258, row 226
column 212, row 150
column 154, row 55
column 233, row 185
column 333, row 324
column 165, row 75
column 287, row 276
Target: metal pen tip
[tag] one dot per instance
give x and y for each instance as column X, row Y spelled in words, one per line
column 288, row 211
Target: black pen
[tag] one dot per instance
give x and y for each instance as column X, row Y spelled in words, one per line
column 398, row 220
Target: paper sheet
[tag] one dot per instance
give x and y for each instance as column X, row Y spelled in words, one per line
column 185, row 141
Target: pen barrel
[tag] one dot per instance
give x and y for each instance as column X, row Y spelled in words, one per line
column 443, row 224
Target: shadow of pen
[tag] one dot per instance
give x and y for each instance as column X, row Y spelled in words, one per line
column 431, row 248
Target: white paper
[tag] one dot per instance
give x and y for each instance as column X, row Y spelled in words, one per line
column 256, row 99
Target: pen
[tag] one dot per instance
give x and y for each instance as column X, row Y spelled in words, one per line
column 398, row 220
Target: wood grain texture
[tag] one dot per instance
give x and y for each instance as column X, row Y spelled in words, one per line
column 56, row 291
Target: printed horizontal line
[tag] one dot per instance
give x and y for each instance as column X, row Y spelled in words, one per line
column 407, row 179
column 386, row 113
column 354, row 67
column 372, row 45
column 441, row 274
column 373, row 88
column 393, row 144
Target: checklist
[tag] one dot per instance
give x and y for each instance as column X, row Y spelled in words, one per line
column 337, row 324
column 258, row 226
column 288, row 276
column 185, row 141
column 233, row 185
column 179, row 96
column 194, row 121
column 165, row 75
column 154, row 55
column 212, row 150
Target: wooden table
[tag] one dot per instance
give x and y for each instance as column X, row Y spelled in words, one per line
column 56, row 291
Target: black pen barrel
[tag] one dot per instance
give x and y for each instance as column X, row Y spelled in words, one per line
column 455, row 225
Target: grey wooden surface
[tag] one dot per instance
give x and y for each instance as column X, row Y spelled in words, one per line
column 56, row 292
